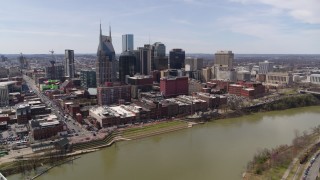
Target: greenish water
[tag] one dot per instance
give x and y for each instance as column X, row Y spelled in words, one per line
column 216, row 150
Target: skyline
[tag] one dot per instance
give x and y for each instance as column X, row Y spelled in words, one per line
column 196, row 26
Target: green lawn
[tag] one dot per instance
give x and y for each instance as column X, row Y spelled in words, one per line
column 152, row 128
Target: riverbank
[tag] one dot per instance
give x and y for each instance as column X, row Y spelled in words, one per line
column 147, row 130
column 221, row 149
column 284, row 161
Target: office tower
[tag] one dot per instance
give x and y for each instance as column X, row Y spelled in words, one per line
column 54, row 72
column 4, row 72
column 159, row 49
column 88, row 79
column 127, row 42
column 23, row 62
column 127, row 65
column 146, row 54
column 105, row 64
column 69, row 63
column 159, row 60
column 193, row 64
column 4, row 96
column 224, row 59
column 265, row 67
column 176, row 58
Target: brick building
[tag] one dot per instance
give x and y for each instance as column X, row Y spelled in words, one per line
column 171, row 87
column 45, row 129
column 111, row 94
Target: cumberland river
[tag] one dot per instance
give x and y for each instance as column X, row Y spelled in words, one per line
column 216, row 150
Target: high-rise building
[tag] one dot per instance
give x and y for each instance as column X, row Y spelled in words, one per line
column 55, row 72
column 4, row 72
column 4, row 96
column 193, row 64
column 224, row 59
column 265, row 67
column 146, row 55
column 69, row 63
column 105, row 64
column 176, row 58
column 23, row 62
column 127, row 42
column 127, row 65
column 159, row 49
column 88, row 78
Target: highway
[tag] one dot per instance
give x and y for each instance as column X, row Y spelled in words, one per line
column 313, row 168
column 55, row 109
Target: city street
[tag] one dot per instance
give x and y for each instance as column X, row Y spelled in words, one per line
column 313, row 171
column 72, row 125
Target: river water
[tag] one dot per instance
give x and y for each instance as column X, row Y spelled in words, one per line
column 216, row 150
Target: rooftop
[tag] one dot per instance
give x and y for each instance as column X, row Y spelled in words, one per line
column 6, row 83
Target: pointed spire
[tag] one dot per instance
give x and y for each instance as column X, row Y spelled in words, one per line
column 110, row 31
column 100, row 28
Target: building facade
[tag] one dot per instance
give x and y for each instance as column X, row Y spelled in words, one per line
column 146, row 55
column 279, row 79
column 265, row 67
column 315, row 79
column 4, row 96
column 69, row 63
column 224, row 59
column 127, row 42
column 159, row 49
column 113, row 94
column 127, row 65
column 193, row 64
column 176, row 58
column 174, row 86
column 105, row 64
column 54, row 72
column 88, row 79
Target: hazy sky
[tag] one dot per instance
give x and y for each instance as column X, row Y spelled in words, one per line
column 197, row 26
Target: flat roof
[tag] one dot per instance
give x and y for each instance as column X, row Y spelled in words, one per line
column 49, row 123
column 5, row 83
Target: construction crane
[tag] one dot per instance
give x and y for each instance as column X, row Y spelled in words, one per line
column 53, row 60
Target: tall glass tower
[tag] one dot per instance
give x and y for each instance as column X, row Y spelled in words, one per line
column 127, row 42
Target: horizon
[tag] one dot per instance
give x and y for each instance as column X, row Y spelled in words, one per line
column 196, row 26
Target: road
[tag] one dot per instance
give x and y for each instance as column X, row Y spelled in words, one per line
column 70, row 122
column 314, row 169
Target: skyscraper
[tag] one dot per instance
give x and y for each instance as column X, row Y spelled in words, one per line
column 105, row 64
column 127, row 42
column 224, row 59
column 176, row 58
column 159, row 49
column 146, row 55
column 69, row 63
column 127, row 65
column 88, row 78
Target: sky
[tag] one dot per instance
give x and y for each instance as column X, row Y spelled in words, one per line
column 197, row 26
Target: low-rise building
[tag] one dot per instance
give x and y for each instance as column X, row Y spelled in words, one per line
column 315, row 79
column 279, row 79
column 46, row 127
column 111, row 94
column 174, row 86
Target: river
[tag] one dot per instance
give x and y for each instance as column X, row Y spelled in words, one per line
column 215, row 150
